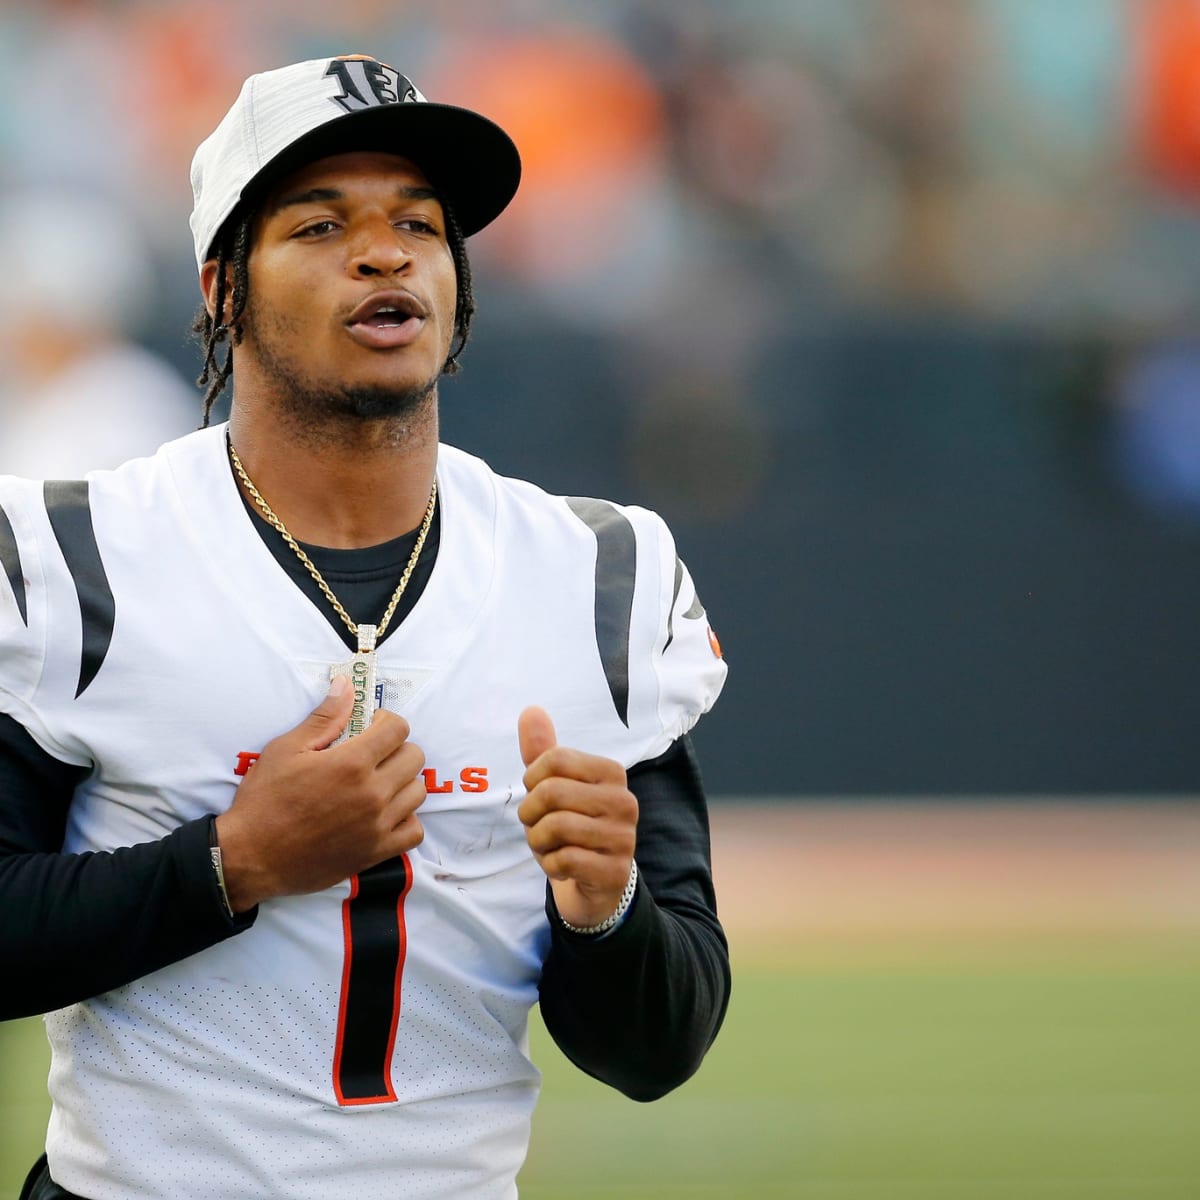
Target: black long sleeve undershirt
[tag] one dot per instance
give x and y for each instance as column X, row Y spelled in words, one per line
column 636, row 1009
column 77, row 925
column 639, row 1008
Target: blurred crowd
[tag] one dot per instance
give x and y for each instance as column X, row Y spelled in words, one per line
column 705, row 184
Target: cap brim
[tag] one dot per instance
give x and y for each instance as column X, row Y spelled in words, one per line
column 470, row 161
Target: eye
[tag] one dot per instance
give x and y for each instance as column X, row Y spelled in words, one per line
column 316, row 229
column 417, row 225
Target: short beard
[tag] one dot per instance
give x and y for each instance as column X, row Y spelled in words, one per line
column 320, row 413
column 369, row 402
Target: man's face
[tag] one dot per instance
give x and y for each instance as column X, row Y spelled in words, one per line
column 351, row 286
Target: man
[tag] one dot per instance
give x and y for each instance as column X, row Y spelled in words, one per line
column 291, row 852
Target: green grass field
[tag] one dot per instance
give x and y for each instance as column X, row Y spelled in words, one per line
column 879, row 1064
column 962, row 1080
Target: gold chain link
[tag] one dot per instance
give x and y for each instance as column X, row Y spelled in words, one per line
column 269, row 513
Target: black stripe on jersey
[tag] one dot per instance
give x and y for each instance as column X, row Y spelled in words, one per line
column 70, row 513
column 373, row 925
column 10, row 560
column 674, row 597
column 616, row 563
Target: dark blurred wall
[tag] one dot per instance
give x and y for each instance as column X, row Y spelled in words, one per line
column 928, row 583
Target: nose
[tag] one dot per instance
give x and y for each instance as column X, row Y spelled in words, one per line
column 377, row 249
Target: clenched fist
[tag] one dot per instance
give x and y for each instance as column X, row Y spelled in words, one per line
column 580, row 821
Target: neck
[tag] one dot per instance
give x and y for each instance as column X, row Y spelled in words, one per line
column 351, row 482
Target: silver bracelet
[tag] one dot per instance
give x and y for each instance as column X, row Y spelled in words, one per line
column 622, row 908
column 214, row 853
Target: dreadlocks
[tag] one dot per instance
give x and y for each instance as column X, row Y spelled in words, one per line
column 233, row 251
column 233, row 259
column 464, row 305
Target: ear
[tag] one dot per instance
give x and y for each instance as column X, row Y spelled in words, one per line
column 208, row 285
column 208, row 288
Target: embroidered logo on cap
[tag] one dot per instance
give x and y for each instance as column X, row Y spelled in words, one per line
column 370, row 84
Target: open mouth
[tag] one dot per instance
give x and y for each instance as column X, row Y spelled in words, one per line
column 387, row 319
column 387, row 308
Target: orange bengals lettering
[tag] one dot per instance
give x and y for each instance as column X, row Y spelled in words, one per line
column 470, row 779
column 431, row 782
column 473, row 779
column 245, row 760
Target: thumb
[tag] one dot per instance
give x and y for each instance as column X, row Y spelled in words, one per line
column 535, row 731
column 325, row 723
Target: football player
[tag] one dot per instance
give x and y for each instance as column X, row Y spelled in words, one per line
column 325, row 751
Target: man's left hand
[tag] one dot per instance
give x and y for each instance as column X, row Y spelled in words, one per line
column 580, row 820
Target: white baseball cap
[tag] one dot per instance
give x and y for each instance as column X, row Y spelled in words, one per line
column 288, row 117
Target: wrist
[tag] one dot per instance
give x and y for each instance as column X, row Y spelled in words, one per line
column 616, row 917
column 234, row 878
column 218, row 866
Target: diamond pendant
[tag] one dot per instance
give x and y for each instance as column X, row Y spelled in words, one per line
column 360, row 670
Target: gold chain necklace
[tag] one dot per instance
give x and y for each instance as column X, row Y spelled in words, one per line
column 361, row 668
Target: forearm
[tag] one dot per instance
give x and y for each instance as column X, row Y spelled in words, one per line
column 639, row 1008
column 76, row 925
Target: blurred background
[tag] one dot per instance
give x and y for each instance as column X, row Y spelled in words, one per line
column 892, row 309
column 889, row 306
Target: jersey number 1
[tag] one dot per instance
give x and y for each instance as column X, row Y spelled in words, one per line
column 373, row 926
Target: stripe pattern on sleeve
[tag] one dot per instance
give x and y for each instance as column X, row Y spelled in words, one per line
column 10, row 560
column 70, row 513
column 616, row 562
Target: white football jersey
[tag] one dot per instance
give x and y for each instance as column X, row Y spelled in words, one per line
column 369, row 1040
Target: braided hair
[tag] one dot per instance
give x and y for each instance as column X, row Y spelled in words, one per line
column 233, row 251
column 232, row 248
column 464, row 304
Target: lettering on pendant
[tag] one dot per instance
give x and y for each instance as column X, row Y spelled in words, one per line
column 360, row 691
column 361, row 672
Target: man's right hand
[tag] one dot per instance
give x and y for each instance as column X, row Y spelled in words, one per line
column 310, row 814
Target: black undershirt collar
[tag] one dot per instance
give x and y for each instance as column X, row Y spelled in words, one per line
column 362, row 579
